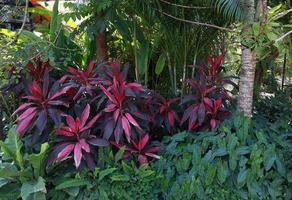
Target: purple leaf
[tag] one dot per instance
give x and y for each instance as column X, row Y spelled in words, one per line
column 77, row 154
column 98, row 142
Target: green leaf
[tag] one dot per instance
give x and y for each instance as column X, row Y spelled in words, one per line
column 8, row 171
column 160, row 64
column 120, row 154
column 242, row 176
column 222, row 172
column 72, row 183
column 289, row 176
column 32, row 187
column 143, row 57
column 3, row 181
column 106, row 172
column 210, row 174
column 269, row 157
column 54, row 27
column 120, row 177
column 72, row 191
column 12, row 147
column 37, row 160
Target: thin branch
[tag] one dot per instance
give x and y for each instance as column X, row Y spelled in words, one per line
column 197, row 23
column 21, row 28
column 183, row 6
column 283, row 36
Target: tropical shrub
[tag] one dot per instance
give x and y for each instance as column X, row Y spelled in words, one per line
column 231, row 162
column 210, row 99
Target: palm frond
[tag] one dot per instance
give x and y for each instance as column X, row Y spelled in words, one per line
column 231, row 9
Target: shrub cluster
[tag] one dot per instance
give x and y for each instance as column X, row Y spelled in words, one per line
column 86, row 109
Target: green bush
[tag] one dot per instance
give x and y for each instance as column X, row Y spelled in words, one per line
column 233, row 162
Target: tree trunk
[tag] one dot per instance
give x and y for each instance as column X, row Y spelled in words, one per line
column 248, row 64
column 101, row 47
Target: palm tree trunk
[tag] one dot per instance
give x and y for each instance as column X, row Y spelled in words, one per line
column 248, row 64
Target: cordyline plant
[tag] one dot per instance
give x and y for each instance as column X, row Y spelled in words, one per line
column 84, row 81
column 37, row 68
column 75, row 137
column 209, row 96
column 163, row 111
column 122, row 115
column 43, row 100
column 139, row 149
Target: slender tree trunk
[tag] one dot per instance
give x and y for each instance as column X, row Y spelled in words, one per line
column 101, row 47
column 100, row 42
column 248, row 64
column 170, row 73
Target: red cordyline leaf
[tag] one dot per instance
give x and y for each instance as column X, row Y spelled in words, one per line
column 78, row 133
column 65, row 152
column 139, row 148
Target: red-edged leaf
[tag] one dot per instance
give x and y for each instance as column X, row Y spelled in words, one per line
column 22, row 107
column 152, row 149
column 110, row 108
column 91, row 122
column 127, row 128
column 170, row 116
column 116, row 114
column 208, row 102
column 41, row 121
column 65, row 152
column 23, row 125
column 143, row 141
column 217, row 62
column 108, row 94
column 46, row 82
column 132, row 120
column 142, row 160
column 118, row 130
column 84, row 145
column 90, row 68
column 71, row 122
column 35, row 90
column 210, row 59
column 201, row 113
column 60, row 92
column 85, row 115
column 77, row 154
column 218, row 104
column 213, row 123
column 65, row 131
column 26, row 113
column 152, row 155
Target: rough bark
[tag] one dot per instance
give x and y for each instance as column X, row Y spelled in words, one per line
column 101, row 47
column 248, row 64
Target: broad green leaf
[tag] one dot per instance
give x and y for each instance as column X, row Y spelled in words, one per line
column 106, row 172
column 3, row 181
column 37, row 160
column 143, row 56
column 12, row 147
column 72, row 191
column 31, row 187
column 160, row 64
column 8, row 171
column 210, row 174
column 222, row 171
column 11, row 191
column 242, row 176
column 269, row 157
column 72, row 183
